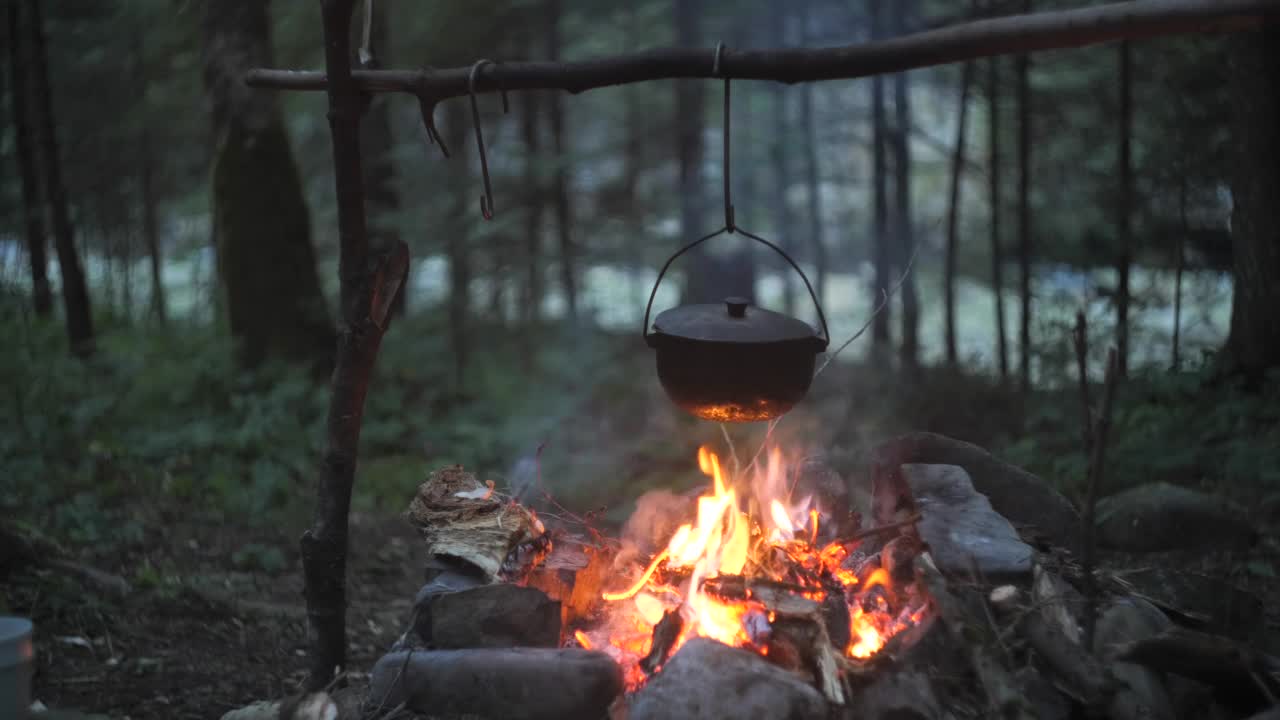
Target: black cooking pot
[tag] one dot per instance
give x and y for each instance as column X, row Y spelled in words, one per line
column 734, row 362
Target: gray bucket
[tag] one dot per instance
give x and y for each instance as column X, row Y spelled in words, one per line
column 16, row 667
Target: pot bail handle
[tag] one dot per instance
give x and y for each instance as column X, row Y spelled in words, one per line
column 822, row 317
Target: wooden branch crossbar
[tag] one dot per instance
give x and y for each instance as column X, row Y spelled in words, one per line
column 965, row 41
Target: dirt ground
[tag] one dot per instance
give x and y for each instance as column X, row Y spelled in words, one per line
column 209, row 636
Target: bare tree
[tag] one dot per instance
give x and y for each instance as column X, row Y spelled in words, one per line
column 1125, row 219
column 953, row 214
column 781, row 128
column 530, row 107
column 909, row 350
column 560, row 178
column 1024, row 214
column 880, row 324
column 149, row 196
column 1253, row 346
column 75, row 293
column 32, row 212
column 812, row 174
column 993, row 191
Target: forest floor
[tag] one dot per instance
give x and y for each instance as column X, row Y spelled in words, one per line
column 206, row 635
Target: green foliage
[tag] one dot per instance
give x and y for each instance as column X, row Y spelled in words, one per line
column 1187, row 428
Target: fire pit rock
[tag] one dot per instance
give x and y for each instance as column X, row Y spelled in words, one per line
column 490, row 616
column 515, row 683
column 1161, row 516
column 962, row 529
column 707, row 680
column 896, row 696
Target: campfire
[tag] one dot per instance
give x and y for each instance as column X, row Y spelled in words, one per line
column 768, row 587
column 757, row 568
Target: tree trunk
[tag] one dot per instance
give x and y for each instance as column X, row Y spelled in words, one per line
column 377, row 144
column 1179, row 261
column 560, row 179
column 534, row 196
column 456, row 246
column 784, row 227
column 151, row 229
column 909, row 350
column 1024, row 215
column 953, row 215
column 993, row 191
column 880, row 335
column 75, row 293
column 1253, row 346
column 146, row 185
column 811, row 171
column 32, row 212
column 274, row 304
column 1126, row 213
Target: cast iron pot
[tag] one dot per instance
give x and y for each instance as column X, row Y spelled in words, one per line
column 734, row 362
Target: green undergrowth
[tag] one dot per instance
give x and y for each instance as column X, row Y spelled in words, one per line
column 1188, row 428
column 162, row 418
column 160, row 424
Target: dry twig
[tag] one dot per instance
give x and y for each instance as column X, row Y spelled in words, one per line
column 1089, row 561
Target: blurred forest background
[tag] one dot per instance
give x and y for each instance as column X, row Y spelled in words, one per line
column 168, row 261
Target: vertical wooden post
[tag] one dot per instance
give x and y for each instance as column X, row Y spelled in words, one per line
column 367, row 292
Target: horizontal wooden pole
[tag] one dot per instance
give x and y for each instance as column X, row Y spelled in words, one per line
column 1009, row 35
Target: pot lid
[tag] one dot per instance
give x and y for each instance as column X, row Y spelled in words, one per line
column 734, row 320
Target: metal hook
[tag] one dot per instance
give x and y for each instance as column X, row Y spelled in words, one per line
column 486, row 200
column 728, row 197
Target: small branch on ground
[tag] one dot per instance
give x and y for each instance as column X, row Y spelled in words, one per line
column 973, row 634
column 1096, row 461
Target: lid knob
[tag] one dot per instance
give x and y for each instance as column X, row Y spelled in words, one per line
column 737, row 306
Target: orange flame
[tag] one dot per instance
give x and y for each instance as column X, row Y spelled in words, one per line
column 719, row 543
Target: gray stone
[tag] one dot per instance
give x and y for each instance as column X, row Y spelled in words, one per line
column 896, row 696
column 707, row 680
column 1143, row 693
column 961, row 528
column 514, row 683
column 1199, row 600
column 1026, row 500
column 446, row 581
column 1161, row 516
column 494, row 616
column 1044, row 698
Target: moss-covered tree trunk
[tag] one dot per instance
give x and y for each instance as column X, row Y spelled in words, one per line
column 75, row 292
column 267, row 266
column 32, row 213
column 1253, row 346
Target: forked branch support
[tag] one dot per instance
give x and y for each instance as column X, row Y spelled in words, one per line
column 966, row 41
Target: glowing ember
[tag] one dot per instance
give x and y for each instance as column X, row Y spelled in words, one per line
column 780, row 547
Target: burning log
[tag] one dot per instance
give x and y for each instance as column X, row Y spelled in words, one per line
column 806, row 639
column 665, row 635
column 575, row 574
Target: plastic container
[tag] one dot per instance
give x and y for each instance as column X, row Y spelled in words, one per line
column 16, row 667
